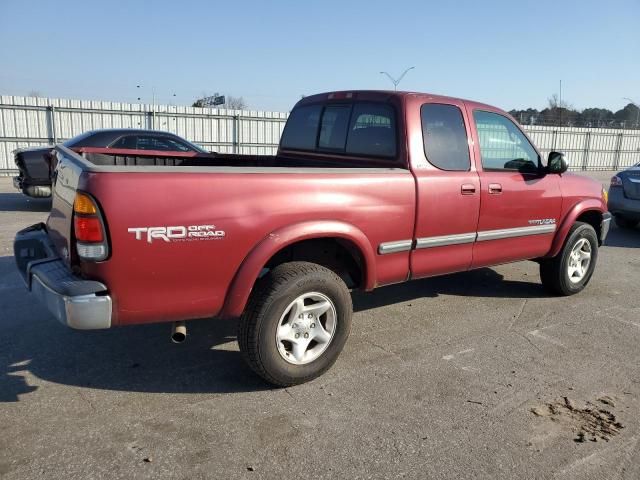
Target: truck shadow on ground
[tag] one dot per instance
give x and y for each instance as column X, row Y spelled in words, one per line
column 483, row 282
column 17, row 202
column 142, row 359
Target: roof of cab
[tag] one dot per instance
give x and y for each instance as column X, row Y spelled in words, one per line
column 388, row 94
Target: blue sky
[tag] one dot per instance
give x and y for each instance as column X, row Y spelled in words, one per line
column 507, row 53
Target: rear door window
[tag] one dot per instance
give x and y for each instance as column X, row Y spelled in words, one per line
column 151, row 142
column 446, row 145
column 127, row 142
column 169, row 144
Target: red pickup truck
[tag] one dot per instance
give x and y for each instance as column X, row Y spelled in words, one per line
column 367, row 189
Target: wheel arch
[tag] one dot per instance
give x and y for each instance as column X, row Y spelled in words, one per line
column 349, row 238
column 588, row 211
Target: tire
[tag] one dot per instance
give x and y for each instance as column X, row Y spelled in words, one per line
column 555, row 272
column 625, row 222
column 274, row 307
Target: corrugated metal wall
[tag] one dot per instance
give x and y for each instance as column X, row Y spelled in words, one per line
column 32, row 121
column 589, row 148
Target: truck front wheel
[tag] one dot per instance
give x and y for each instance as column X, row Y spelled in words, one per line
column 296, row 323
column 570, row 271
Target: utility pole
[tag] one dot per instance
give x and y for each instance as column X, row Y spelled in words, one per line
column 399, row 79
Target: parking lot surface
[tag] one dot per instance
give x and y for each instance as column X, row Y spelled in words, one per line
column 473, row 375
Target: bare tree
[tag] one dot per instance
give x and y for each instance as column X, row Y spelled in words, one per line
column 554, row 102
column 34, row 93
column 235, row 103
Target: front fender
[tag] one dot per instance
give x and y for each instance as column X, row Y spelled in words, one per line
column 250, row 269
column 570, row 218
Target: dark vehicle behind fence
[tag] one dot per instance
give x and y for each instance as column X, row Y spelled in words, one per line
column 35, row 164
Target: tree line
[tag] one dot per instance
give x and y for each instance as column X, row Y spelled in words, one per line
column 559, row 113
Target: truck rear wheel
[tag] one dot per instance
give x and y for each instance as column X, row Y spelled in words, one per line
column 570, row 271
column 296, row 323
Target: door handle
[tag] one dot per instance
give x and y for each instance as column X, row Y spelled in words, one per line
column 495, row 188
column 467, row 189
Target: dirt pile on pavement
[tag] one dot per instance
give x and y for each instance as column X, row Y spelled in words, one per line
column 591, row 422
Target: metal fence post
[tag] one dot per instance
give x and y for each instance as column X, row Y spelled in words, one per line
column 555, row 138
column 618, row 150
column 51, row 121
column 585, row 157
column 236, row 134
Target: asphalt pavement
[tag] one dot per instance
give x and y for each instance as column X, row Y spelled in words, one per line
column 473, row 375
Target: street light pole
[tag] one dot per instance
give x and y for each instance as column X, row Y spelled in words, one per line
column 399, row 79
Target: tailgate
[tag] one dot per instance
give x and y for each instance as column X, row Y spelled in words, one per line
column 33, row 164
column 65, row 181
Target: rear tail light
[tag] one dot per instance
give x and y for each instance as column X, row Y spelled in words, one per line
column 88, row 229
column 616, row 181
column 91, row 238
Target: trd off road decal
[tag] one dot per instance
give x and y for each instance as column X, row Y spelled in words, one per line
column 178, row 233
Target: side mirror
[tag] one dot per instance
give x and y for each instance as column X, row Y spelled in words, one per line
column 557, row 163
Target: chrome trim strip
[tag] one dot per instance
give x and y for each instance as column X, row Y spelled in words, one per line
column 395, row 247
column 444, row 240
column 463, row 238
column 515, row 232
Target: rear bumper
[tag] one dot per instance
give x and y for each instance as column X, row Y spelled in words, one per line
column 73, row 301
column 40, row 189
column 622, row 206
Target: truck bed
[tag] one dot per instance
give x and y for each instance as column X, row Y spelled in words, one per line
column 254, row 201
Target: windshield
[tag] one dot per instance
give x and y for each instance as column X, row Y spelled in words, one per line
column 197, row 148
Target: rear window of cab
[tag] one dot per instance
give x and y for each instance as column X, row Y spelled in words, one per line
column 357, row 129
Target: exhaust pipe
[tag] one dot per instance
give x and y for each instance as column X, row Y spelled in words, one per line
column 178, row 332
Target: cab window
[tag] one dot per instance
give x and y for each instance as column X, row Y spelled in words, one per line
column 333, row 127
column 372, row 130
column 301, row 129
column 355, row 129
